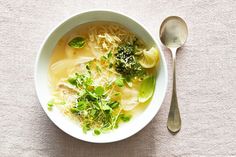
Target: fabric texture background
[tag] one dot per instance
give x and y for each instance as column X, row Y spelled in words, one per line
column 206, row 80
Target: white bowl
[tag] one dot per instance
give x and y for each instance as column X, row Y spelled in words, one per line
column 42, row 86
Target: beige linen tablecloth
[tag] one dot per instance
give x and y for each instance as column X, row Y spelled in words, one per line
column 206, row 80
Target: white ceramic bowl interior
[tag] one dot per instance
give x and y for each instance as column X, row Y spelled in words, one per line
column 42, row 87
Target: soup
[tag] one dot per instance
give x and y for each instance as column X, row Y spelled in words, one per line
column 101, row 74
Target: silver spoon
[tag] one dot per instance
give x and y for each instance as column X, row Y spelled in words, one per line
column 173, row 34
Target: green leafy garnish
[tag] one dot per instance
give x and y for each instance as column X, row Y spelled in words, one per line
column 99, row 90
column 95, row 110
column 146, row 89
column 80, row 80
column 110, row 65
column 98, row 69
column 106, row 108
column 85, row 127
column 72, row 80
column 119, row 81
column 117, row 94
column 109, row 55
column 114, row 104
column 124, row 117
column 126, row 62
column 74, row 110
column 81, row 105
column 98, row 104
column 97, row 132
column 50, row 104
column 88, row 67
column 77, row 42
column 103, row 58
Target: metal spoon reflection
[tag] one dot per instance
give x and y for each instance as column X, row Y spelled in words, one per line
column 173, row 34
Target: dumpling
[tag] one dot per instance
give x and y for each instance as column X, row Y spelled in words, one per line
column 63, row 65
column 129, row 98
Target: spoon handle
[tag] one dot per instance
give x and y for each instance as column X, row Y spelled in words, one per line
column 174, row 119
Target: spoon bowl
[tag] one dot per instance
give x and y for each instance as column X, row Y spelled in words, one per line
column 173, row 32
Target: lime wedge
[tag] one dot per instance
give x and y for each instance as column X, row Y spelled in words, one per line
column 150, row 58
column 146, row 89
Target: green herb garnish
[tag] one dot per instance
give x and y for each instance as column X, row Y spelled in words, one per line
column 103, row 58
column 95, row 110
column 98, row 69
column 77, row 42
column 110, row 65
column 72, row 80
column 97, row 132
column 126, row 62
column 114, row 104
column 109, row 55
column 119, row 81
column 80, row 80
column 125, row 118
column 99, row 90
column 50, row 104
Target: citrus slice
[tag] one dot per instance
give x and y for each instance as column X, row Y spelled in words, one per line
column 150, row 58
column 146, row 89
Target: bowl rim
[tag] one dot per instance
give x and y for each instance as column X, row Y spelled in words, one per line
column 137, row 23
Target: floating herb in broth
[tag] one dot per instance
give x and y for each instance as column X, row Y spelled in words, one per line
column 77, row 42
column 97, row 72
